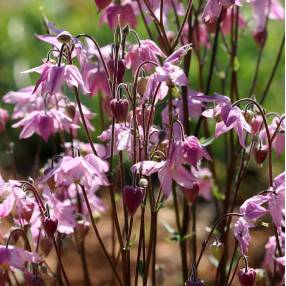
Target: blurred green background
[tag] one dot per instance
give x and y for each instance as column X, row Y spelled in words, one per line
column 20, row 50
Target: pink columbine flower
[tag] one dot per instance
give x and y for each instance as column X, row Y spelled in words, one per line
column 44, row 123
column 17, row 257
column 101, row 4
column 146, row 51
column 241, row 233
column 119, row 14
column 228, row 117
column 168, row 74
column 53, row 78
column 169, row 170
column 88, row 171
column 252, row 208
column 193, row 151
column 270, row 250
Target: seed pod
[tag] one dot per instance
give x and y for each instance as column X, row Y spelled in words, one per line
column 191, row 194
column 132, row 198
column 119, row 109
column 50, row 226
column 247, row 277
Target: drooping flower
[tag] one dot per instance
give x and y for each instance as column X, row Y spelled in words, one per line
column 193, row 151
column 132, row 197
column 167, row 75
column 17, row 257
column 53, row 78
column 169, row 170
column 241, row 233
column 252, row 208
column 146, row 51
column 228, row 117
column 44, row 123
column 4, row 117
column 119, row 14
column 247, row 277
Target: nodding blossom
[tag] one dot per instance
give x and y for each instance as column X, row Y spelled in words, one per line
column 119, row 14
column 241, row 233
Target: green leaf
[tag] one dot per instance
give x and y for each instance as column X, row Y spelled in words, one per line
column 207, row 141
column 217, row 194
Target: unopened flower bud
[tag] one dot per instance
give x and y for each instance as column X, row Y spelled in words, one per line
column 119, row 109
column 247, row 277
column 120, row 69
column 50, row 226
column 64, row 37
column 70, row 110
column 256, row 124
column 81, row 229
column 217, row 249
column 191, row 194
column 132, row 198
column 260, row 37
column 260, row 154
column 46, row 245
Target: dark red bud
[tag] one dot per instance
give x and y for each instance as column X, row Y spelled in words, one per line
column 260, row 154
column 260, row 37
column 132, row 198
column 119, row 109
column 247, row 278
column 50, row 226
column 192, row 193
column 120, row 69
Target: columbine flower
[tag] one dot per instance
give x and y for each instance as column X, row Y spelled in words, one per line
column 228, row 117
column 252, row 208
column 88, row 171
column 53, row 77
column 270, row 250
column 146, row 51
column 44, row 123
column 241, row 233
column 193, row 151
column 119, row 14
column 17, row 257
column 168, row 74
column 169, row 170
